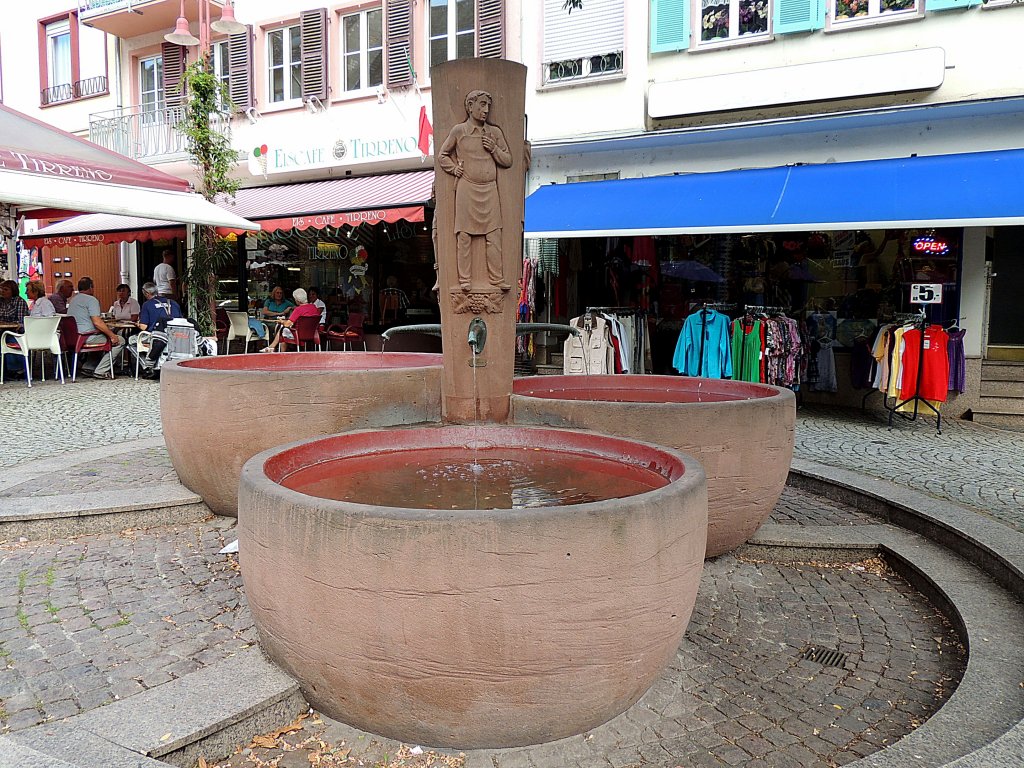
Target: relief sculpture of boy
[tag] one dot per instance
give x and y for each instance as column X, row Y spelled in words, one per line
column 472, row 153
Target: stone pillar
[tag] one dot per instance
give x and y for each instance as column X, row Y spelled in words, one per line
column 481, row 223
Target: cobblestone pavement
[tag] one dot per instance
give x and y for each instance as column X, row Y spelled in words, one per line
column 968, row 463
column 797, row 507
column 738, row 692
column 91, row 619
column 53, row 418
column 88, row 620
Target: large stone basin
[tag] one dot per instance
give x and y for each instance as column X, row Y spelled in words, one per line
column 741, row 433
column 471, row 628
column 219, row 411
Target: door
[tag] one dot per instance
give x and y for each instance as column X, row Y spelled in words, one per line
column 1006, row 310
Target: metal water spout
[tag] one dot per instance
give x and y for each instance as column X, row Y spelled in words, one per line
column 431, row 329
column 477, row 335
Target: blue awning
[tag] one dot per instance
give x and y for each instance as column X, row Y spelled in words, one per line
column 977, row 189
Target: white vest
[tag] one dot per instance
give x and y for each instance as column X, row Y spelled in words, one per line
column 591, row 352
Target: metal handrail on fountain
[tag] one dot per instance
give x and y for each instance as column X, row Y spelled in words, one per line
column 434, row 329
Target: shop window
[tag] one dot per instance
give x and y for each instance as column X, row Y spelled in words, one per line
column 73, row 60
column 731, row 20
column 362, row 47
column 284, row 64
column 852, row 12
column 586, row 44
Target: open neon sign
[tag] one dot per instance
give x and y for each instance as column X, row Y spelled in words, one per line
column 935, row 246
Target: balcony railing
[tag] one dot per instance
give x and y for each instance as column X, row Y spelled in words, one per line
column 80, row 89
column 146, row 135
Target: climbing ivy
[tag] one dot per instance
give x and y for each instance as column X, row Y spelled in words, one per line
column 206, row 127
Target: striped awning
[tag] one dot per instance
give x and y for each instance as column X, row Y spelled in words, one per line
column 336, row 202
column 97, row 228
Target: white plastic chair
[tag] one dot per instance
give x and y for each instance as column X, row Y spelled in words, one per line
column 239, row 328
column 40, row 335
column 142, row 341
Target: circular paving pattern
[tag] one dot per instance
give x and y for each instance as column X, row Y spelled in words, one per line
column 88, row 620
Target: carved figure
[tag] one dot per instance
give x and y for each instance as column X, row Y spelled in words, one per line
column 472, row 153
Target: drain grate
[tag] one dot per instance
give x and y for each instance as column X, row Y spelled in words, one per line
column 824, row 656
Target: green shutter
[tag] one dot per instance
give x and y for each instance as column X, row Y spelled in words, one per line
column 670, row 25
column 945, row 5
column 798, row 16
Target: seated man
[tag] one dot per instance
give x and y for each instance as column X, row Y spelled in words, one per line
column 153, row 317
column 85, row 308
column 59, row 298
column 125, row 307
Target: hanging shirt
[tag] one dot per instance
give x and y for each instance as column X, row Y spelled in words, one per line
column 957, row 361
column 591, row 352
column 826, row 361
column 930, row 359
column 746, row 350
column 716, row 362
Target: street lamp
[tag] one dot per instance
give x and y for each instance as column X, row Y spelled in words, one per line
column 226, row 24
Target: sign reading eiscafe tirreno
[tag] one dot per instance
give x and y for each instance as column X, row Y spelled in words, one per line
column 281, row 158
column 19, row 161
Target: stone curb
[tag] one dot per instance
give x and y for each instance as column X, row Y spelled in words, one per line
column 990, row 623
column 206, row 712
column 75, row 514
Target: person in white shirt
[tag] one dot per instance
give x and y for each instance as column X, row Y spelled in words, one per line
column 41, row 306
column 315, row 300
column 125, row 307
column 165, row 277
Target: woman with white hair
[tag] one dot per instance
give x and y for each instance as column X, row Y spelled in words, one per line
column 302, row 309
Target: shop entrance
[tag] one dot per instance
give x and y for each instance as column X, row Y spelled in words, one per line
column 1006, row 311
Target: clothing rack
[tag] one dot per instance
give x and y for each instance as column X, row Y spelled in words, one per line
column 764, row 309
column 617, row 310
column 920, row 320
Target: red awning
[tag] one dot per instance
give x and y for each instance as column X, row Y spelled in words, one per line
column 335, row 203
column 98, row 228
column 34, row 147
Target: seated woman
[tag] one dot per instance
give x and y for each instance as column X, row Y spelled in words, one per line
column 276, row 306
column 41, row 306
column 304, row 309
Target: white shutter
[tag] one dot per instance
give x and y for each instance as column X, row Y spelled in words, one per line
column 595, row 29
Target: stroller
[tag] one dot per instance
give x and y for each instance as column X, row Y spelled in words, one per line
column 175, row 339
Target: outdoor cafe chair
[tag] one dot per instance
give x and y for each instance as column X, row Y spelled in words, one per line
column 73, row 340
column 239, row 328
column 40, row 335
column 306, row 331
column 350, row 334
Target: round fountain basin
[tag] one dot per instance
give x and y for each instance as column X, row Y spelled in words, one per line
column 217, row 412
column 469, row 627
column 742, row 433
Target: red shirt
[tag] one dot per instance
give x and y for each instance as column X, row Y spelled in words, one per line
column 935, row 373
column 304, row 310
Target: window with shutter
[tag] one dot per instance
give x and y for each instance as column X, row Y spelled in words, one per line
column 451, row 30
column 362, row 50
column 490, row 29
column 284, row 64
column 398, row 37
column 844, row 13
column 173, row 62
column 670, row 25
column 729, row 21
column 587, row 44
column 72, row 60
column 240, row 80
column 314, row 53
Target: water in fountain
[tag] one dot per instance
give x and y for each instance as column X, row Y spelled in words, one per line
column 511, row 478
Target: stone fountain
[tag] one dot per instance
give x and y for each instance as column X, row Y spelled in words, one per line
column 503, row 614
